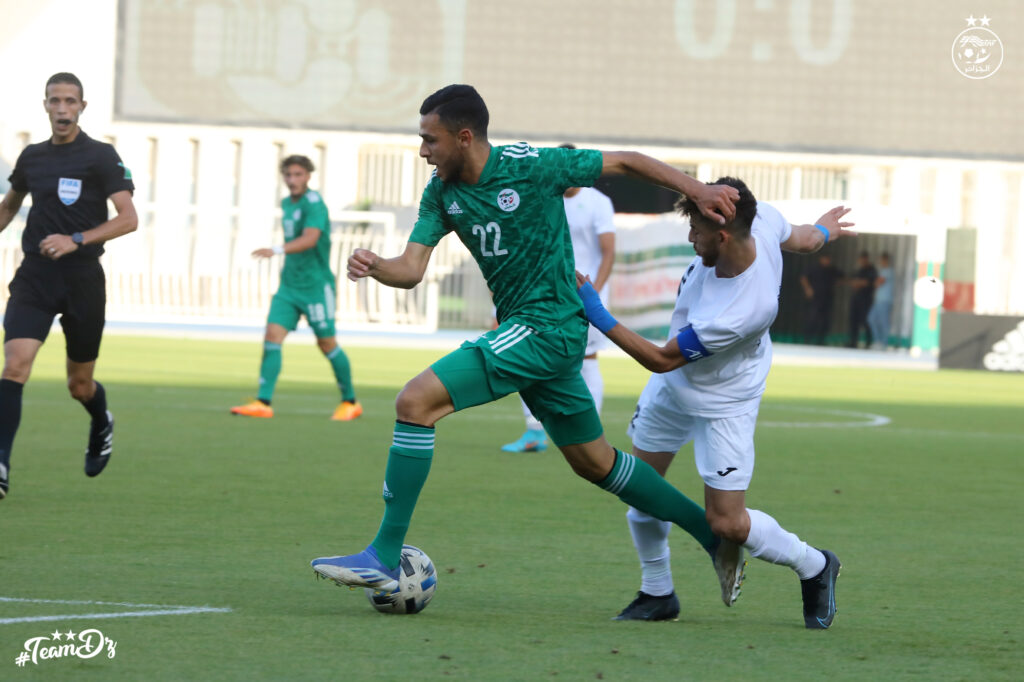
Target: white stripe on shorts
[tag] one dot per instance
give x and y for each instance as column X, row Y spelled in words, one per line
column 504, row 345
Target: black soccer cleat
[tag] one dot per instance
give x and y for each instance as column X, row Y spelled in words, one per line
column 101, row 445
column 819, row 594
column 649, row 607
column 5, row 482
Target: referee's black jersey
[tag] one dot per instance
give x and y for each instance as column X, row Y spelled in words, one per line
column 69, row 184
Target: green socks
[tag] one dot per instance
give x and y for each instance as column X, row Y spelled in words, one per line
column 270, row 367
column 637, row 484
column 342, row 373
column 408, row 466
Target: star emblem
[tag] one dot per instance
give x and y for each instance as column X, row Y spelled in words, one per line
column 971, row 21
column 55, row 635
column 69, row 635
column 985, row 20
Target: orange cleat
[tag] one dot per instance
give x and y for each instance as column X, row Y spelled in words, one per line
column 346, row 412
column 254, row 409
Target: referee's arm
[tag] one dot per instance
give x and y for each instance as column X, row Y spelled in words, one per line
column 124, row 222
column 9, row 207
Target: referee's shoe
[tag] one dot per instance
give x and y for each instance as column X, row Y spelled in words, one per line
column 101, row 445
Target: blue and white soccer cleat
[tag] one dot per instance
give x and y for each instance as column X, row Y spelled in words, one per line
column 358, row 570
column 729, row 563
column 531, row 441
column 819, row 594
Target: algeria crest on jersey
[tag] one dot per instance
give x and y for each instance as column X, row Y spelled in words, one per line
column 508, row 200
column 69, row 189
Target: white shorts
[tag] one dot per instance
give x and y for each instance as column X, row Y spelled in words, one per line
column 723, row 448
column 595, row 340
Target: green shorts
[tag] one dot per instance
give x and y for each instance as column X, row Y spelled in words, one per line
column 544, row 367
column 317, row 305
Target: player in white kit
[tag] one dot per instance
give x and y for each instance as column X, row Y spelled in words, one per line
column 592, row 231
column 707, row 388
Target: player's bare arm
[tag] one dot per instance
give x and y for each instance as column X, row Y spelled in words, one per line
column 606, row 242
column 305, row 241
column 402, row 272
column 9, row 207
column 653, row 357
column 809, row 238
column 55, row 246
column 715, row 201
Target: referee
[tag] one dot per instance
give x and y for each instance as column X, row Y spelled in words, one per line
column 71, row 177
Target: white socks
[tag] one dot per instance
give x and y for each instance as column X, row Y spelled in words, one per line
column 769, row 541
column 650, row 536
column 595, row 383
column 531, row 422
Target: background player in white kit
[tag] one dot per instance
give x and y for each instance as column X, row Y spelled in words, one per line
column 592, row 231
column 707, row 388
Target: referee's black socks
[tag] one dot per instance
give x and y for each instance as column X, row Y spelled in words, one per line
column 97, row 405
column 10, row 416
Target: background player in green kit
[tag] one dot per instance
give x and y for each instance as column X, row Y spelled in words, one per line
column 307, row 288
column 505, row 204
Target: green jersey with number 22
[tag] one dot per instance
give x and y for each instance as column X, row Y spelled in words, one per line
column 513, row 222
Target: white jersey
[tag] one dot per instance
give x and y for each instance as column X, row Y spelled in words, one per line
column 731, row 317
column 590, row 214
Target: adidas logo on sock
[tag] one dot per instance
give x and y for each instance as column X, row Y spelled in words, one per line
column 1007, row 355
column 454, row 209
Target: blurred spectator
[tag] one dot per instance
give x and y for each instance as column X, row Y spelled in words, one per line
column 819, row 288
column 863, row 285
column 881, row 309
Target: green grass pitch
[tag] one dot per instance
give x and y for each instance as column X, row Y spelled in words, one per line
column 198, row 508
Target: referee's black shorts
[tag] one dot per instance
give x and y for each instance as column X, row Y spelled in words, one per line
column 75, row 290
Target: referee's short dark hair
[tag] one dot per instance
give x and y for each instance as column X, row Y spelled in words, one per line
column 458, row 107
column 298, row 160
column 64, row 77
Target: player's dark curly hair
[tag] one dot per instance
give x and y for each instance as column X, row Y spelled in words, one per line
column 65, row 77
column 746, row 209
column 298, row 160
column 458, row 107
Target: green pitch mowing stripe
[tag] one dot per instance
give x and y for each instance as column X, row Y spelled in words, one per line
column 198, row 507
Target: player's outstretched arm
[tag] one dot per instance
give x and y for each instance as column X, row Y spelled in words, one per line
column 9, row 207
column 809, row 238
column 403, row 272
column 305, row 241
column 653, row 357
column 717, row 202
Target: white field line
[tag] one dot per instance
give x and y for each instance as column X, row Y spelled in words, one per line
column 155, row 610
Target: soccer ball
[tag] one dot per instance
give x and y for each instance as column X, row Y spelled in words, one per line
column 417, row 581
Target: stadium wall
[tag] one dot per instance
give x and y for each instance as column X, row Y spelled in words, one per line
column 208, row 190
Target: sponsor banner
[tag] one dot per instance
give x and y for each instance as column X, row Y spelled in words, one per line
column 651, row 255
column 990, row 342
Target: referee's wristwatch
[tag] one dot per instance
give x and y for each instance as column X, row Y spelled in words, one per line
column 78, row 239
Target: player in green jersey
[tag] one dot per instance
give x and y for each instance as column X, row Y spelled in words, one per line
column 307, row 289
column 505, row 204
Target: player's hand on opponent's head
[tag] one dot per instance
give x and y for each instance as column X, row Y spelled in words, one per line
column 360, row 263
column 718, row 202
column 833, row 222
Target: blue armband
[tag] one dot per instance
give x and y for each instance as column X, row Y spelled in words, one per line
column 824, row 231
column 595, row 310
column 690, row 346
